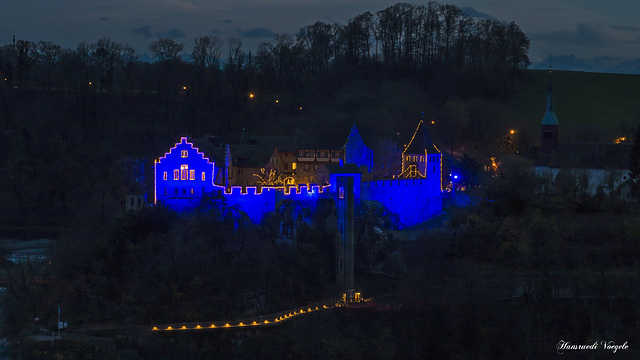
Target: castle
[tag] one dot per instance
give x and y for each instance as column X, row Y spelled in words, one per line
column 257, row 173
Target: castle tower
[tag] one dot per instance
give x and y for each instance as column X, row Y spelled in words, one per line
column 549, row 126
column 421, row 159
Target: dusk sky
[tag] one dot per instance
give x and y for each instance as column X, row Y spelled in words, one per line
column 586, row 28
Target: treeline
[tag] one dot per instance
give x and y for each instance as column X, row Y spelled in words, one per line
column 421, row 42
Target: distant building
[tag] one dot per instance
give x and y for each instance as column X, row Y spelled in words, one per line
column 595, row 166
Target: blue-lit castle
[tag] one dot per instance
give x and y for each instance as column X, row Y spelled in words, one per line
column 257, row 173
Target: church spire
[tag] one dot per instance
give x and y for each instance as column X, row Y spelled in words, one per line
column 550, row 115
column 549, row 126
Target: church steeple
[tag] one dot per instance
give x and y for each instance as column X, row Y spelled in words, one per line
column 549, row 125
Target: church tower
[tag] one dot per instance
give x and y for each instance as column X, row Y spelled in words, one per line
column 549, row 126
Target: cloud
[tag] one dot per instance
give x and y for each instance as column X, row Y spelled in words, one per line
column 584, row 35
column 144, row 30
column 258, row 33
column 173, row 34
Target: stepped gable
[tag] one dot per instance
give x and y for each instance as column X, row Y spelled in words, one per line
column 584, row 156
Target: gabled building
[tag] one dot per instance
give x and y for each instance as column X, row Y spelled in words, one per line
column 182, row 176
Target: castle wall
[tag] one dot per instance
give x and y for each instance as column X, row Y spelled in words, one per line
column 414, row 201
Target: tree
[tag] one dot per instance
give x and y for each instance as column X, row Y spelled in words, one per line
column 388, row 159
column 166, row 50
column 634, row 165
column 206, row 52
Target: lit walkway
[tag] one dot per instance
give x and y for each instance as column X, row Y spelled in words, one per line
column 260, row 321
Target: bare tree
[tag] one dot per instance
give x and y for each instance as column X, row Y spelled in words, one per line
column 206, row 51
column 166, row 50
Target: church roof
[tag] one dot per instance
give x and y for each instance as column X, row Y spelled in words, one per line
column 584, row 156
column 421, row 142
column 550, row 114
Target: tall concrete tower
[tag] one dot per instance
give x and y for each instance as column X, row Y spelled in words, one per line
column 344, row 232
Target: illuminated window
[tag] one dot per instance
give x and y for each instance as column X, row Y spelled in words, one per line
column 408, row 158
column 164, row 176
column 192, row 174
column 341, row 192
column 191, row 191
column 293, row 166
column 165, row 191
column 203, row 176
column 176, row 174
column 415, row 158
column 421, row 158
column 184, row 153
column 184, row 172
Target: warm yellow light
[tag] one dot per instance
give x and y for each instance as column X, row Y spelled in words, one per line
column 433, row 122
column 266, row 321
column 184, row 88
column 198, row 327
column 316, row 308
column 212, row 326
column 89, row 82
column 169, row 328
column 226, row 325
column 277, row 101
column 241, row 324
column 300, row 107
column 512, row 131
column 183, row 327
column 154, row 328
column 251, row 95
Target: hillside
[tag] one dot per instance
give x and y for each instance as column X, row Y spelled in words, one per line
column 589, row 106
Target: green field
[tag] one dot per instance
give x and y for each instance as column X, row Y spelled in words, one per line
column 589, row 106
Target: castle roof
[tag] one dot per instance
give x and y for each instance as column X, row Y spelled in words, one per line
column 584, row 156
column 421, row 142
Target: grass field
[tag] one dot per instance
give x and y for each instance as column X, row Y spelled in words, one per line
column 589, row 106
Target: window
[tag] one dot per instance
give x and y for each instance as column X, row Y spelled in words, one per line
column 293, row 166
column 184, row 172
column 341, row 192
column 191, row 191
column 408, row 158
column 203, row 176
column 164, row 176
column 175, row 191
column 176, row 174
column 184, row 191
column 192, row 174
column 165, row 191
column 415, row 159
column 421, row 158
column 184, row 153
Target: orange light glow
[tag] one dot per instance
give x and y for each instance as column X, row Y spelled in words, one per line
column 432, row 122
column 212, row 326
column 512, row 132
column 266, row 321
column 226, row 325
column 183, row 327
column 184, row 88
column 277, row 101
column 251, row 95
column 154, row 328
column 198, row 327
column 169, row 328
